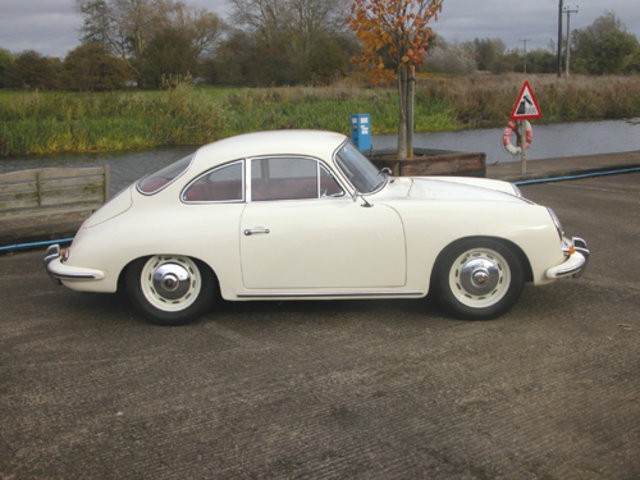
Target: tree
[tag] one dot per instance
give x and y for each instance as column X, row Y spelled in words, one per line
column 6, row 63
column 32, row 70
column 127, row 28
column 315, row 21
column 603, row 47
column 269, row 19
column 445, row 57
column 489, row 54
column 90, row 67
column 326, row 62
column 632, row 63
column 244, row 58
column 169, row 54
column 280, row 42
column 539, row 61
column 394, row 34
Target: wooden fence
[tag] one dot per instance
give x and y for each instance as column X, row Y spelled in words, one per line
column 49, row 201
column 428, row 162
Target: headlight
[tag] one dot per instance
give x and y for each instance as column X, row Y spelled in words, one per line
column 556, row 222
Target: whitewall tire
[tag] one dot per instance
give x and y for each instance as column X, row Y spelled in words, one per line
column 170, row 289
column 478, row 279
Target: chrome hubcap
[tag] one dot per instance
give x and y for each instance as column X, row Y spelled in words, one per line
column 171, row 280
column 170, row 283
column 480, row 277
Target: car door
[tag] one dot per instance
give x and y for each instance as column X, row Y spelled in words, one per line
column 301, row 231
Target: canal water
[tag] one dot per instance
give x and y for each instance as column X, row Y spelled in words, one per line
column 549, row 141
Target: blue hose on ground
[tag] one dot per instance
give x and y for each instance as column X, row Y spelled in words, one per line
column 35, row 244
column 576, row 177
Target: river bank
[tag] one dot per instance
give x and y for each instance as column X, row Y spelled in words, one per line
column 54, row 122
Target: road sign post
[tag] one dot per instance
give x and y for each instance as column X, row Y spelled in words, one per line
column 523, row 148
column 526, row 108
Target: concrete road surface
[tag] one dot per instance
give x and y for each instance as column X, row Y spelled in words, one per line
column 357, row 389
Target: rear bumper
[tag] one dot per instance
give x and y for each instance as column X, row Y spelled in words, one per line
column 575, row 264
column 58, row 270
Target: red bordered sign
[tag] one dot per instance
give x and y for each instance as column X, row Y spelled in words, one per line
column 526, row 107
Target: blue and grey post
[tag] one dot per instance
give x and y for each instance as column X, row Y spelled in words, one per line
column 361, row 131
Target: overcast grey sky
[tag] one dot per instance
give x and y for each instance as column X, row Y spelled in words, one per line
column 51, row 26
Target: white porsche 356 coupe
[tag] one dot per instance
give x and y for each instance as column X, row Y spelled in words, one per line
column 304, row 215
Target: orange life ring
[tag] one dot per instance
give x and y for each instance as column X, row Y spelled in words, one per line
column 511, row 128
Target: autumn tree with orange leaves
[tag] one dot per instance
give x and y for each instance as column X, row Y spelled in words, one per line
column 394, row 34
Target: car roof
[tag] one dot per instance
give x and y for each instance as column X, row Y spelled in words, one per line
column 314, row 143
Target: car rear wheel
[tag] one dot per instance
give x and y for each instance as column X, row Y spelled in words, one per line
column 170, row 289
column 478, row 279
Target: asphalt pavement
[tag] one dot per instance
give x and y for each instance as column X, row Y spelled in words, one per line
column 350, row 389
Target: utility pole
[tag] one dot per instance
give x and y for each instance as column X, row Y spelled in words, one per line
column 525, row 40
column 560, row 6
column 569, row 11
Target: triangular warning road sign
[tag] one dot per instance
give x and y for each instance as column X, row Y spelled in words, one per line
column 527, row 106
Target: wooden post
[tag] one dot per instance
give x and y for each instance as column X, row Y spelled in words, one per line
column 523, row 147
column 106, row 182
column 39, row 188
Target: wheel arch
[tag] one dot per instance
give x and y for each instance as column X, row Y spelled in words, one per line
column 512, row 246
column 123, row 272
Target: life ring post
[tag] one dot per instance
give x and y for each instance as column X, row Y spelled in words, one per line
column 524, row 137
column 523, row 147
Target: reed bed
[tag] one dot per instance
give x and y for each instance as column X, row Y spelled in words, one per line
column 484, row 100
column 51, row 122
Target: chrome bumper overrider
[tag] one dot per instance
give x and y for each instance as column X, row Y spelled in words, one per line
column 576, row 263
column 58, row 270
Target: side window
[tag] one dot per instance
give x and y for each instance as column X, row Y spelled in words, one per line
column 285, row 178
column 329, row 187
column 224, row 184
column 157, row 181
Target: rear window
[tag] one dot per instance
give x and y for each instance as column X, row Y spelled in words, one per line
column 157, row 181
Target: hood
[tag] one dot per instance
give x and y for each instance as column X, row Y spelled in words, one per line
column 423, row 188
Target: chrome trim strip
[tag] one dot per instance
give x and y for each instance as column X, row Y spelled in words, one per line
column 73, row 276
column 184, row 170
column 329, row 295
column 337, row 161
column 320, row 162
column 208, row 172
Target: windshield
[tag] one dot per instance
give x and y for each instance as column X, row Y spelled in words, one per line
column 362, row 174
column 157, row 181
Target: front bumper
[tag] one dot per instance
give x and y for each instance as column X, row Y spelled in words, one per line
column 58, row 270
column 575, row 264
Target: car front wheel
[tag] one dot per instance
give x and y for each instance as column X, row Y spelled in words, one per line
column 478, row 279
column 170, row 289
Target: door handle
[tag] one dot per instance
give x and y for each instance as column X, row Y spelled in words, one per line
column 255, row 231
